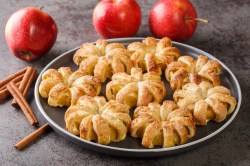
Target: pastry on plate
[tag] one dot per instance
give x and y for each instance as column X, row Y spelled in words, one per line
column 153, row 56
column 187, row 69
column 115, row 61
column 100, row 48
column 63, row 87
column 103, row 59
column 94, row 119
column 137, row 89
column 135, row 82
column 164, row 125
column 206, row 101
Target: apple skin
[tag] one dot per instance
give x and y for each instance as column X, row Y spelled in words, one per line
column 117, row 18
column 174, row 19
column 30, row 33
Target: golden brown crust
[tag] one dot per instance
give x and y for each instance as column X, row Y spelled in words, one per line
column 190, row 94
column 63, row 87
column 151, row 44
column 65, row 72
column 59, row 95
column 186, row 70
column 112, row 46
column 99, row 49
column 162, row 125
column 196, row 85
column 46, row 85
column 88, row 65
column 153, row 56
column 136, row 89
column 86, row 50
column 115, row 60
column 151, row 63
column 74, row 76
column 89, row 84
column 167, row 55
column 207, row 102
column 201, row 61
column 211, row 71
column 50, row 78
column 98, row 120
column 164, row 43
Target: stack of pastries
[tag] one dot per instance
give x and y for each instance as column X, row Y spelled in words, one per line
column 133, row 82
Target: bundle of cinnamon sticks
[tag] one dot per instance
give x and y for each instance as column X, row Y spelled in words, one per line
column 18, row 85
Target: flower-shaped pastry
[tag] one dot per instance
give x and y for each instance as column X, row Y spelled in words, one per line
column 63, row 87
column 95, row 119
column 163, row 125
column 187, row 69
column 206, row 102
column 136, row 89
column 153, row 56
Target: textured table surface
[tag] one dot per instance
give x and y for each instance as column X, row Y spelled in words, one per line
column 227, row 37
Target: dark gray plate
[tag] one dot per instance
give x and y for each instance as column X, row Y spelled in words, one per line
column 131, row 147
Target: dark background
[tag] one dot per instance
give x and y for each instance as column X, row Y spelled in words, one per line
column 227, row 37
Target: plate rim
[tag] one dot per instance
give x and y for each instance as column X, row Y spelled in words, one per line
column 55, row 126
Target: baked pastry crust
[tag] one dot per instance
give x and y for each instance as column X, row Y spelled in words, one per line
column 137, row 89
column 104, row 67
column 196, row 85
column 191, row 93
column 87, row 50
column 95, row 119
column 187, row 69
column 162, row 125
column 63, row 87
column 115, row 61
column 206, row 101
column 103, row 59
column 153, row 56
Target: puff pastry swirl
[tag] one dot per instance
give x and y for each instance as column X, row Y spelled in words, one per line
column 206, row 101
column 95, row 119
column 187, row 69
column 63, row 87
column 103, row 59
column 99, row 49
column 163, row 125
column 115, row 61
column 136, row 89
column 153, row 56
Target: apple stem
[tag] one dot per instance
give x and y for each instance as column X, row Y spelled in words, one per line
column 198, row 19
column 41, row 7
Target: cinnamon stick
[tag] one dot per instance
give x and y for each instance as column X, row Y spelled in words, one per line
column 15, row 80
column 11, row 77
column 24, row 142
column 4, row 93
column 32, row 78
column 25, row 83
column 16, row 77
column 15, row 92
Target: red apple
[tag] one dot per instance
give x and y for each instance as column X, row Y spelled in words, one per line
column 117, row 18
column 173, row 18
column 30, row 33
